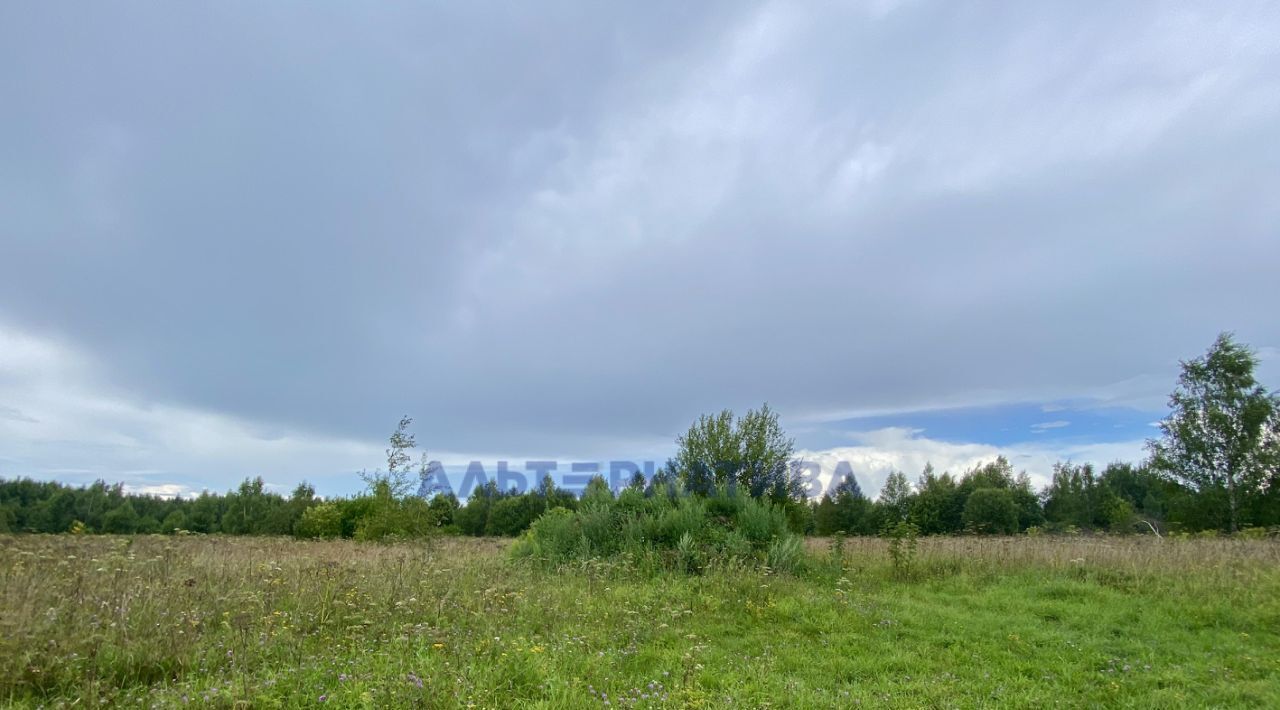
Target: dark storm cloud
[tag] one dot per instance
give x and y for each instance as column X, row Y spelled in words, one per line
column 561, row 228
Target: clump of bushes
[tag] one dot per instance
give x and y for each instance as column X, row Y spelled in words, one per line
column 666, row 529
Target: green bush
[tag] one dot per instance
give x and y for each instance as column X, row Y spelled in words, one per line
column 688, row 534
column 396, row 519
column 785, row 554
column 688, row 515
column 761, row 522
column 600, row 526
column 320, row 521
column 688, row 554
column 555, row 537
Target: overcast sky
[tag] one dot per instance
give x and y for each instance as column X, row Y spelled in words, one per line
column 240, row 238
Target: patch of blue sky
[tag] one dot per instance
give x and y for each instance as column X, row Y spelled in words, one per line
column 999, row 425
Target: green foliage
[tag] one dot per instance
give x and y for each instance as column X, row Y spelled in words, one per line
column 510, row 515
column 555, row 537
column 600, row 528
column 1222, row 438
column 597, row 492
column 844, row 513
column 991, row 511
column 122, row 520
column 752, row 452
column 174, row 521
column 999, row 474
column 251, row 510
column 785, row 554
column 473, row 518
column 689, row 533
column 895, row 497
column 389, row 517
column 398, row 480
column 322, row 521
column 443, row 507
column 903, row 541
column 490, row 511
column 1123, row 499
column 761, row 522
column 673, row 521
column 689, row 557
column 938, row 506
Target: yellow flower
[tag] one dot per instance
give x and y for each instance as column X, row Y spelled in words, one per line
column 437, row 645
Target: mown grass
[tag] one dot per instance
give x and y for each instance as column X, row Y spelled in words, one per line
column 244, row 622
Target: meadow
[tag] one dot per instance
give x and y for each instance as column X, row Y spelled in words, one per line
column 213, row 621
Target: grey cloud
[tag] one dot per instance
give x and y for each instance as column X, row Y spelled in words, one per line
column 567, row 227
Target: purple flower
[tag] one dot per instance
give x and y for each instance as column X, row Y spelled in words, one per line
column 414, row 679
column 323, row 698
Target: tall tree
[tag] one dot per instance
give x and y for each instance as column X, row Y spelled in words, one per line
column 709, row 453
column 752, row 452
column 938, row 504
column 895, row 497
column 1222, row 437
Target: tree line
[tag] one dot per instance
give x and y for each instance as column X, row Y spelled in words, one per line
column 1216, row 466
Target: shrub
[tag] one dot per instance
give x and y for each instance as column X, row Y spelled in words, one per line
column 760, row 522
column 688, row 554
column 555, row 537
column 688, row 533
column 600, row 528
column 320, row 521
column 785, row 554
column 903, row 538
column 736, row 547
column 688, row 516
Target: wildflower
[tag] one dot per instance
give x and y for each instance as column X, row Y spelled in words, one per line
column 414, row 679
column 323, row 698
column 437, row 645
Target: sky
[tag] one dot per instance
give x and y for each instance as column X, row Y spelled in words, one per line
column 242, row 239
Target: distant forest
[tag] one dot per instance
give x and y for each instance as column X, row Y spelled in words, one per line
column 1216, row 467
column 1122, row 498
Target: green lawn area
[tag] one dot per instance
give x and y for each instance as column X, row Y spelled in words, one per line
column 227, row 622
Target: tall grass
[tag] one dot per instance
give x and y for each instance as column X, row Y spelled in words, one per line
column 256, row 622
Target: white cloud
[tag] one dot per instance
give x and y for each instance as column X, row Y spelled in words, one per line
column 61, row 421
column 1042, row 427
column 161, row 490
column 882, row 451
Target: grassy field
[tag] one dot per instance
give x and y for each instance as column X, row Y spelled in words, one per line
column 243, row 622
